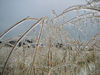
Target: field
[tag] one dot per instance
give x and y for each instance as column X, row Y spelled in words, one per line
column 66, row 44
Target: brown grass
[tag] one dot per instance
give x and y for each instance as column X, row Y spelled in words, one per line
column 61, row 53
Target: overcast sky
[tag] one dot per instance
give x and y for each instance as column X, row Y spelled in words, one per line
column 11, row 11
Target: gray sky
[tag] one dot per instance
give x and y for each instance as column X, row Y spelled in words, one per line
column 11, row 11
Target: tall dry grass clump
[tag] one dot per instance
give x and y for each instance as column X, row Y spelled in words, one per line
column 64, row 45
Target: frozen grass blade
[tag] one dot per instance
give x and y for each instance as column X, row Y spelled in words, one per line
column 17, row 43
column 27, row 18
column 77, row 7
column 35, row 51
column 12, row 27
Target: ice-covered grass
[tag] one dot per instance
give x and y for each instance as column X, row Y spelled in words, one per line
column 61, row 46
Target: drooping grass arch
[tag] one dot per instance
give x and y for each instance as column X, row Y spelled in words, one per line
column 95, row 13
